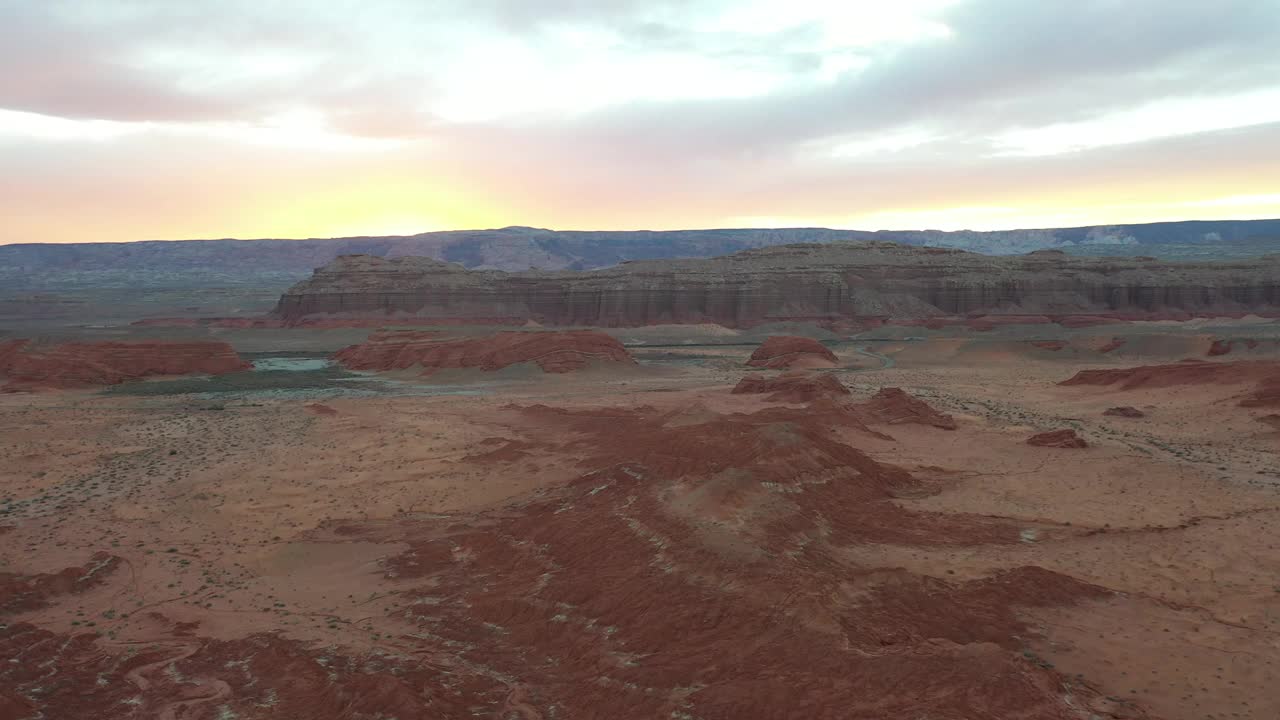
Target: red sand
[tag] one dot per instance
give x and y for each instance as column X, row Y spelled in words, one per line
column 554, row 352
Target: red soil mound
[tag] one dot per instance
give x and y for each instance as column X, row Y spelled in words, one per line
column 1187, row 372
column 1224, row 347
column 896, row 406
column 1266, row 394
column 80, row 364
column 1124, row 411
column 786, row 351
column 1058, row 439
column 1054, row 345
column 19, row 593
column 554, row 352
column 1114, row 344
column 792, row 387
column 1271, row 420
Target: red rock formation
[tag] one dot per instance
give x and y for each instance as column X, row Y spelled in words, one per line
column 1224, row 347
column 787, row 351
column 1065, row 438
column 554, row 352
column 1054, row 345
column 792, row 387
column 82, row 364
column 1124, row 411
column 19, row 593
column 1265, row 395
column 1187, row 372
column 896, row 406
column 1272, row 421
column 801, row 282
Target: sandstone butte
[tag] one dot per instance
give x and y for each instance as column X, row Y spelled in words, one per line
column 896, row 406
column 792, row 387
column 824, row 283
column 553, row 351
column 84, row 364
column 787, row 351
column 1065, row 438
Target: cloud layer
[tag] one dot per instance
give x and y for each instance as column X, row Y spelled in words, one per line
column 155, row 119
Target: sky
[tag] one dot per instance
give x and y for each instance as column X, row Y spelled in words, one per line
column 152, row 119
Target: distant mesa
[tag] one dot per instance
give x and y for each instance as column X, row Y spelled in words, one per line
column 830, row 284
column 1125, row 411
column 787, row 352
column 86, row 364
column 552, row 351
column 792, row 387
column 1066, row 438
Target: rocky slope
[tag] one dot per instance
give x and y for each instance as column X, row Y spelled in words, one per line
column 788, row 351
column 554, row 352
column 81, row 364
column 826, row 283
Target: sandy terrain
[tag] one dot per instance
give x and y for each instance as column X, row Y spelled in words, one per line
column 644, row 543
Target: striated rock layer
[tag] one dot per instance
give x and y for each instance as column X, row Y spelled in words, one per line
column 796, row 387
column 896, row 406
column 554, row 352
column 826, row 283
column 786, row 351
column 81, row 364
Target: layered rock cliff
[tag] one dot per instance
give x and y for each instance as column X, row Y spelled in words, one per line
column 809, row 282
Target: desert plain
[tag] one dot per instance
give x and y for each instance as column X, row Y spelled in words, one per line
column 628, row 536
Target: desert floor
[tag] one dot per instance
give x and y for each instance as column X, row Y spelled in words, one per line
column 644, row 543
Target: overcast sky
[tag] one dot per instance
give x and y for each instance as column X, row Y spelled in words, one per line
column 139, row 119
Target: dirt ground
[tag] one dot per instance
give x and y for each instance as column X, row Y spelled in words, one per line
column 647, row 544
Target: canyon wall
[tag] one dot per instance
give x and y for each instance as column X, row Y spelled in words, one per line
column 806, row 282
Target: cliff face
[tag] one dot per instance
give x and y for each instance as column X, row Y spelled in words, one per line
column 818, row 282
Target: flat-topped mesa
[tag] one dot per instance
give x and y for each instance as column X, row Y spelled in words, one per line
column 554, row 352
column 83, row 364
column 807, row 282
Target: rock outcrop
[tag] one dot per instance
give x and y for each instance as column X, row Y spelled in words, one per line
column 1066, row 438
column 1187, row 372
column 554, row 352
column 896, row 406
column 1124, row 411
column 85, row 364
column 782, row 352
column 823, row 283
column 792, row 387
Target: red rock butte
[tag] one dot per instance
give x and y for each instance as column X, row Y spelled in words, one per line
column 895, row 406
column 86, row 364
column 787, row 351
column 552, row 351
